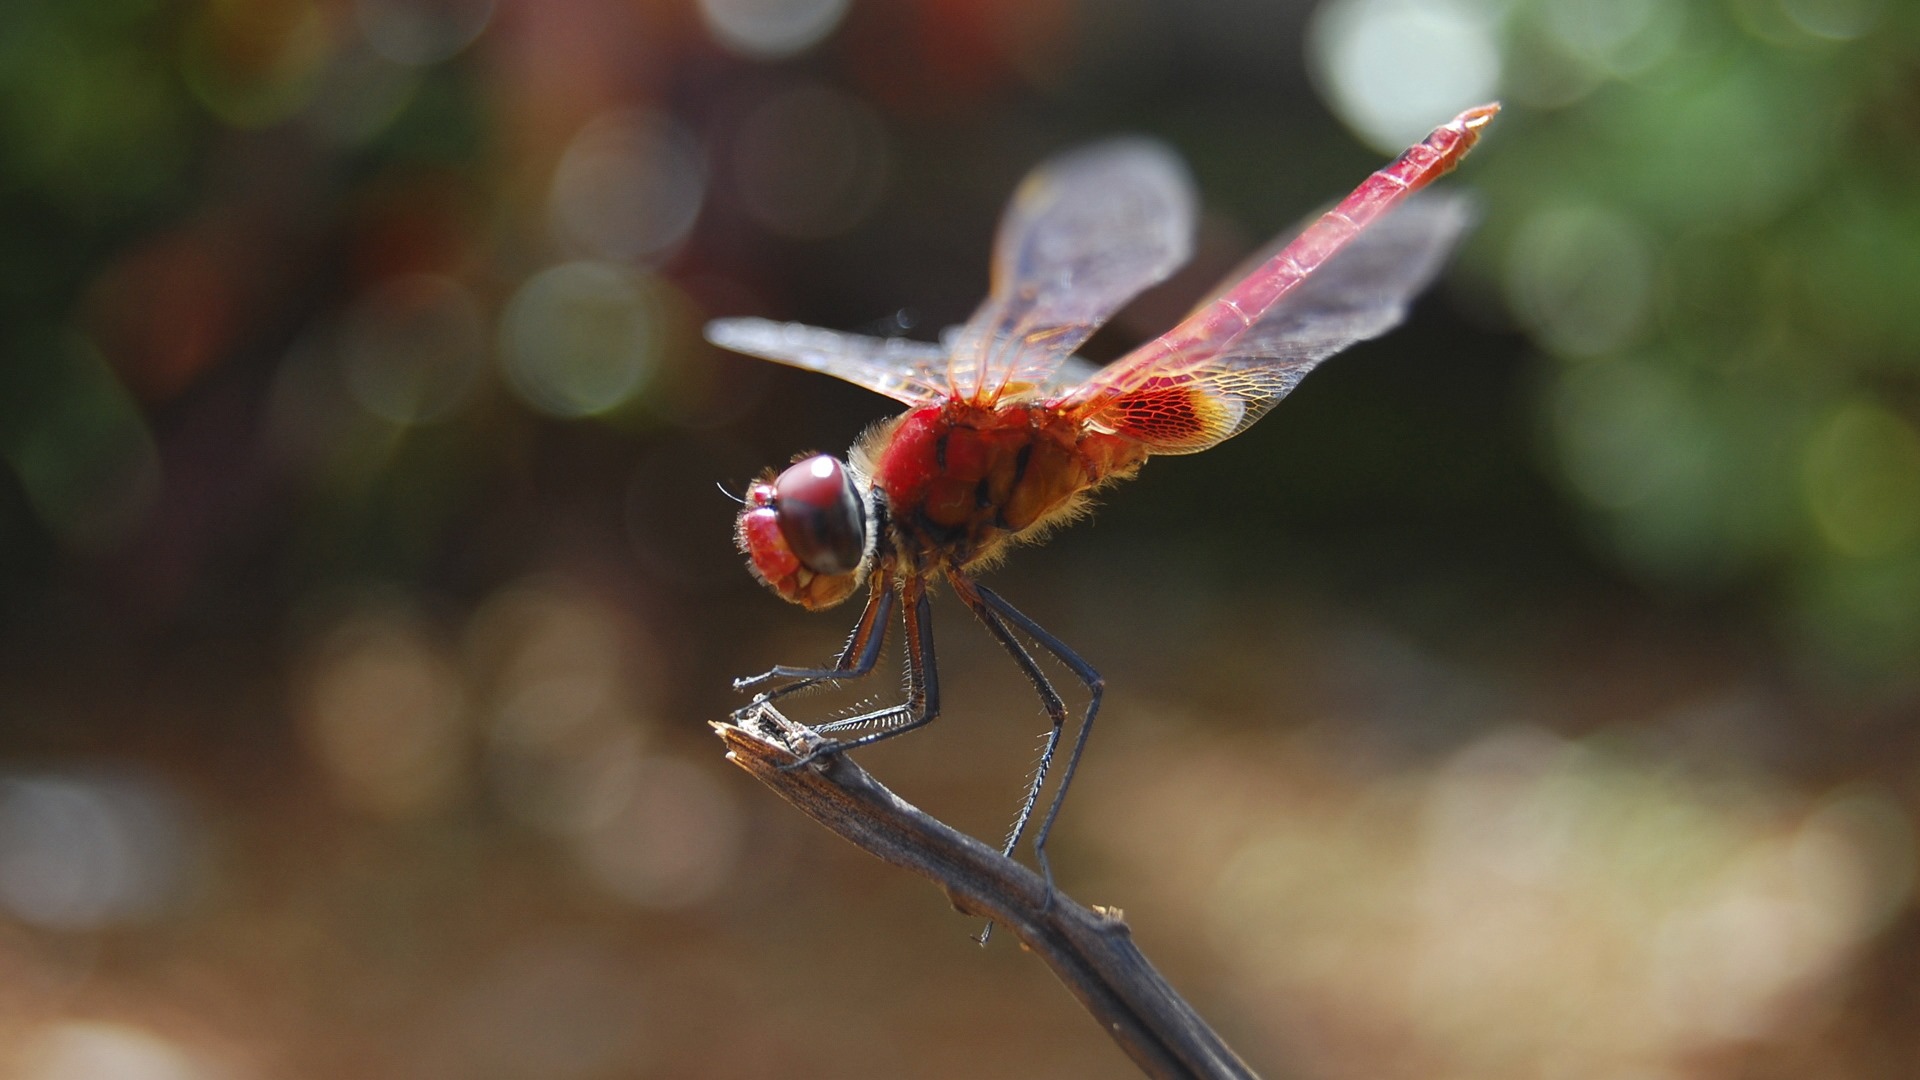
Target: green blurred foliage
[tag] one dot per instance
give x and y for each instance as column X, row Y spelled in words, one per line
column 94, row 139
column 1710, row 218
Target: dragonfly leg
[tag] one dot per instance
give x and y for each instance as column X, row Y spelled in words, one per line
column 1096, row 687
column 923, row 683
column 1049, row 699
column 856, row 658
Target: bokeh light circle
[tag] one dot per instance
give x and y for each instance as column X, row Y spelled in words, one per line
column 421, row 32
column 1618, row 37
column 96, row 1050
column 89, row 849
column 1622, row 426
column 1861, row 475
column 413, row 347
column 811, row 162
column 1839, row 20
column 767, row 29
column 629, row 186
column 1581, row 277
column 581, row 338
column 662, row 834
column 1392, row 69
column 383, row 712
column 252, row 64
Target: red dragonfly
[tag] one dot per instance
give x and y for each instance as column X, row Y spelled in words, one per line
column 1007, row 433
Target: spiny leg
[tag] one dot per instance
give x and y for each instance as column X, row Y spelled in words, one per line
column 1049, row 699
column 1096, row 686
column 923, row 682
column 856, row 658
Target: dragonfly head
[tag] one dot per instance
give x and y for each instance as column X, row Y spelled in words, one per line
column 807, row 532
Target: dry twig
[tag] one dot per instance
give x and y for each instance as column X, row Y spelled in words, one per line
column 1090, row 950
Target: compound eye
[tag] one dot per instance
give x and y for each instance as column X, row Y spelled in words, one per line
column 821, row 516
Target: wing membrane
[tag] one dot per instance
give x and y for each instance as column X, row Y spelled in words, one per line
column 1085, row 233
column 1226, row 364
column 913, row 372
column 1197, row 398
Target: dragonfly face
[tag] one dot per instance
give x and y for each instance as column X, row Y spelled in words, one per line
column 1007, row 431
column 806, row 532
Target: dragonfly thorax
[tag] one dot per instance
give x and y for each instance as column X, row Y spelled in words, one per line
column 962, row 481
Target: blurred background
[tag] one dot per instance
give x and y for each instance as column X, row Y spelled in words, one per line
column 1531, row 696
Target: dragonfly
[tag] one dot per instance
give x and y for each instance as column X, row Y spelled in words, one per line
column 1007, row 433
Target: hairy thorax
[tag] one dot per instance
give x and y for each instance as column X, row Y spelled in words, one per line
column 963, row 481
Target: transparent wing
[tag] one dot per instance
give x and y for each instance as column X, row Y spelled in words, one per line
column 914, row 372
column 1365, row 290
column 1226, row 364
column 1072, row 372
column 1086, row 232
column 1211, row 391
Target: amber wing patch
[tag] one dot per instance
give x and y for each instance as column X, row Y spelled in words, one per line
column 1170, row 415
